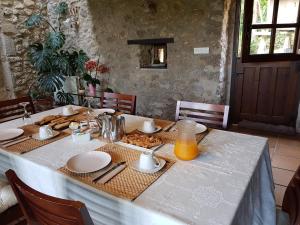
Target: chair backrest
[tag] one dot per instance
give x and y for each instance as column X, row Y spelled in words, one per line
column 10, row 109
column 43, row 104
column 121, row 102
column 39, row 208
column 291, row 199
column 210, row 114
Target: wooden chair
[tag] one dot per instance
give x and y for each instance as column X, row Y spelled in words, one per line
column 291, row 200
column 39, row 208
column 120, row 102
column 43, row 104
column 10, row 109
column 10, row 211
column 212, row 115
column 13, row 215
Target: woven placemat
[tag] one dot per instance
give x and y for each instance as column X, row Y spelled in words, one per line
column 31, row 144
column 129, row 183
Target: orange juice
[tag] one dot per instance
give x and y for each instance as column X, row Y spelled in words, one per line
column 186, row 149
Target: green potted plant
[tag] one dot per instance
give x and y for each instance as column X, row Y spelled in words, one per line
column 51, row 61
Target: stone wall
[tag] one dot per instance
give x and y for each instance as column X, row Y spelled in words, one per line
column 16, row 72
column 105, row 26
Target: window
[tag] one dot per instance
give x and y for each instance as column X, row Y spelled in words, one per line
column 153, row 56
column 271, row 30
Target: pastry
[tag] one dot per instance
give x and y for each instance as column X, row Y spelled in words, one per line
column 142, row 140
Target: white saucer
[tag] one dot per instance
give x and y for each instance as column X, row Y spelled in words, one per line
column 72, row 114
column 136, row 166
column 37, row 136
column 88, row 162
column 11, row 133
column 157, row 128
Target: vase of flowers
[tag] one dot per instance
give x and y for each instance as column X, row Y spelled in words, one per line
column 95, row 72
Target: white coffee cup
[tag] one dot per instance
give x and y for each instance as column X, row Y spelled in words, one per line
column 148, row 162
column 149, row 126
column 68, row 110
column 45, row 132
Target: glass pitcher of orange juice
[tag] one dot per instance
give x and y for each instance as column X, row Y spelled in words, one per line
column 186, row 145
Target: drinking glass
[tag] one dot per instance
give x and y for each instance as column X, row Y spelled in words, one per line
column 26, row 117
column 90, row 111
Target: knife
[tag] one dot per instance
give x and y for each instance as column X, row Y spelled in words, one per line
column 16, row 142
column 11, row 140
column 108, row 171
column 168, row 128
column 112, row 174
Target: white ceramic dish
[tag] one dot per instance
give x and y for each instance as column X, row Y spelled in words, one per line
column 136, row 166
column 200, row 128
column 157, row 128
column 97, row 112
column 88, row 162
column 36, row 136
column 72, row 114
column 11, row 133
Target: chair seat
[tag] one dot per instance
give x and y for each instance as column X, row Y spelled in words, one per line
column 7, row 196
column 282, row 218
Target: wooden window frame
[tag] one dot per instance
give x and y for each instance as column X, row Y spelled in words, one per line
column 271, row 56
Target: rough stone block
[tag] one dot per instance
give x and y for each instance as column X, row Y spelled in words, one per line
column 28, row 3
column 19, row 5
column 9, row 29
column 6, row 2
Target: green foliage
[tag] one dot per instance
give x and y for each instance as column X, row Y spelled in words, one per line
column 34, row 20
column 64, row 98
column 62, row 8
column 50, row 61
column 55, row 40
column 91, row 80
column 40, row 57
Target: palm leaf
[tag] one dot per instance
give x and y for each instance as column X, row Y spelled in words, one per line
column 40, row 57
column 34, row 20
column 55, row 40
column 81, row 59
column 62, row 8
column 64, row 98
column 51, row 81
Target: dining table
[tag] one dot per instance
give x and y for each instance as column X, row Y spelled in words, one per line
column 229, row 183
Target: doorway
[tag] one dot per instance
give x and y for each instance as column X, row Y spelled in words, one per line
column 266, row 76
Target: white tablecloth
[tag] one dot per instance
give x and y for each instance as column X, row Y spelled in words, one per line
column 230, row 183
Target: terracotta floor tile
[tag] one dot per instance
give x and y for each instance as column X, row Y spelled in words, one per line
column 272, row 142
column 283, row 162
column 289, row 151
column 282, row 177
column 279, row 193
column 272, row 152
column 291, row 141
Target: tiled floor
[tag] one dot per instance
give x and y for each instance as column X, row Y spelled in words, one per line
column 285, row 156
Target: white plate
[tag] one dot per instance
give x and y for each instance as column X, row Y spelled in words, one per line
column 88, row 162
column 72, row 114
column 157, row 128
column 136, row 166
column 37, row 136
column 200, row 128
column 97, row 112
column 8, row 134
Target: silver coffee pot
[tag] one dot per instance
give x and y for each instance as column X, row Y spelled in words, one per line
column 112, row 127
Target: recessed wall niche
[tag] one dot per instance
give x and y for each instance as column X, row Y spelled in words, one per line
column 153, row 52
